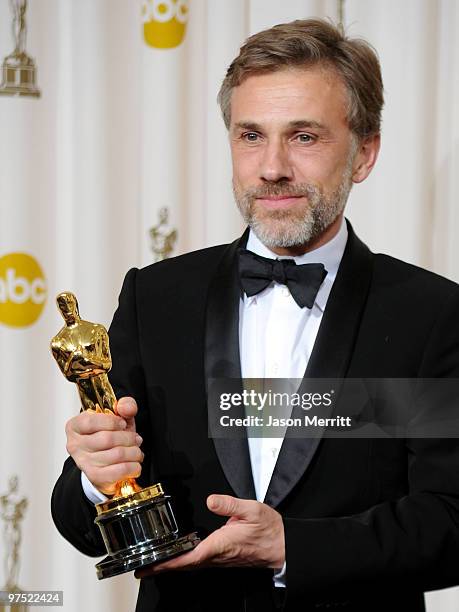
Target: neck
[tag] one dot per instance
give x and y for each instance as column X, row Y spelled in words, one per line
column 315, row 243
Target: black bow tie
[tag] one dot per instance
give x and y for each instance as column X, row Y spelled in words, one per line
column 304, row 280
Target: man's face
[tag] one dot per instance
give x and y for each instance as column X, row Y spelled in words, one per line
column 293, row 154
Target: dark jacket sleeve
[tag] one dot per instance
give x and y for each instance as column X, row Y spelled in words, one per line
column 72, row 512
column 412, row 542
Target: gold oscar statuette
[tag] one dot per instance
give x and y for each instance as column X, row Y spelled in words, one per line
column 137, row 525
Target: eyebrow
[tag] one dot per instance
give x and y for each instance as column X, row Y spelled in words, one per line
column 298, row 124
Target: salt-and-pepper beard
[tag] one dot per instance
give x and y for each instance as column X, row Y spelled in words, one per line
column 300, row 224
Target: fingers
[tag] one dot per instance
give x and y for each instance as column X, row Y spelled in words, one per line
column 194, row 558
column 106, row 446
column 213, row 550
column 101, row 440
column 253, row 537
column 226, row 505
column 104, row 440
column 90, row 422
column 119, row 454
column 104, row 479
column 126, row 407
column 105, row 468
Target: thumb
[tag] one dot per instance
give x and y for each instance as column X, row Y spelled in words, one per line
column 225, row 505
column 126, row 408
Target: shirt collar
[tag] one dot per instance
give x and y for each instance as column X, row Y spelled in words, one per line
column 329, row 254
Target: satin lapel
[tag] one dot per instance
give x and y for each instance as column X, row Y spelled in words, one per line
column 222, row 360
column 330, row 358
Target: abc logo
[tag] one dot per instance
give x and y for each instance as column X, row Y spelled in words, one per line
column 164, row 22
column 22, row 290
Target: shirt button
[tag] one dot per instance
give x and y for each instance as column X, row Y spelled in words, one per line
column 275, row 368
column 285, row 292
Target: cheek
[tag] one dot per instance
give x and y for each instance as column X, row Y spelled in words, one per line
column 308, row 164
column 312, row 167
column 245, row 167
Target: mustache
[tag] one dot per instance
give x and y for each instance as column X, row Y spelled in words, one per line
column 279, row 189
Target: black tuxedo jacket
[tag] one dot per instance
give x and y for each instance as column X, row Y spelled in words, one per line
column 369, row 524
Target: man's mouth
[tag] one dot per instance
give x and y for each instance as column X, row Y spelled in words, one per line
column 278, row 201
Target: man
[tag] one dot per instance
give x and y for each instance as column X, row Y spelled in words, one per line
column 294, row 524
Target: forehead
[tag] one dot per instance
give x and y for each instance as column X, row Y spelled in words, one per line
column 316, row 93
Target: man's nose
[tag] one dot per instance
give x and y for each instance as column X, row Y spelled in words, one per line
column 275, row 164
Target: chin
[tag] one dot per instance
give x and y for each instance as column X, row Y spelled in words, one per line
column 276, row 234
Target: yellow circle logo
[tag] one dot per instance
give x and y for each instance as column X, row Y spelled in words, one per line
column 164, row 22
column 22, row 290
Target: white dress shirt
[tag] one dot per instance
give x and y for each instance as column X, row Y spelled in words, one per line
column 93, row 494
column 276, row 338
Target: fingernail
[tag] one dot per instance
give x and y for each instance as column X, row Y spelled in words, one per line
column 213, row 502
column 125, row 402
column 138, row 440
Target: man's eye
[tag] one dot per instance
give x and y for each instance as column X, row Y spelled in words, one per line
column 304, row 138
column 250, row 136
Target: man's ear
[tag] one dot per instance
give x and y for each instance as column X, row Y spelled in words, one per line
column 365, row 159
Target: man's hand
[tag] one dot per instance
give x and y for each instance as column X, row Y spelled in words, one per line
column 253, row 536
column 106, row 446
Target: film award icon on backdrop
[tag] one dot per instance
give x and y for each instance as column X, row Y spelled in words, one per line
column 137, row 524
column 163, row 237
column 12, row 510
column 19, row 72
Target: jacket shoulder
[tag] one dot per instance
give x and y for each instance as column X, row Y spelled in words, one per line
column 200, row 262
column 390, row 271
